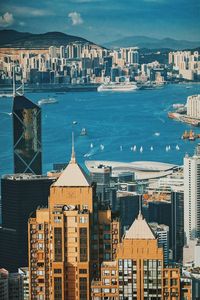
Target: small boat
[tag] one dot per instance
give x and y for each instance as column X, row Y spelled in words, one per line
column 131, row 148
column 47, row 101
column 91, row 145
column 169, row 147
column 74, row 122
column 177, row 147
column 157, row 133
column 141, row 149
column 102, row 147
column 83, row 131
column 121, row 148
column 134, row 148
column 151, row 148
column 166, row 149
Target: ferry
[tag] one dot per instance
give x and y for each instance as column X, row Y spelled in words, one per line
column 117, row 87
column 47, row 101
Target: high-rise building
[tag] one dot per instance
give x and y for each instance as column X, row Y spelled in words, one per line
column 138, row 271
column 69, row 239
column 21, row 195
column 193, row 106
column 161, row 232
column 24, row 273
column 191, row 197
column 128, row 208
column 177, row 226
column 101, row 175
column 11, row 286
column 27, row 136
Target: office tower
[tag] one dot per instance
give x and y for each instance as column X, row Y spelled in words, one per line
column 161, row 232
column 191, row 197
column 160, row 212
column 177, row 226
column 69, row 239
column 21, row 195
column 11, row 286
column 138, row 271
column 24, row 273
column 128, row 208
column 101, row 175
column 27, row 136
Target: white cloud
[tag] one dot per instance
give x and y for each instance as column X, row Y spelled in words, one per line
column 6, row 19
column 75, row 18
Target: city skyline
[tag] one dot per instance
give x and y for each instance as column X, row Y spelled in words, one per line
column 98, row 20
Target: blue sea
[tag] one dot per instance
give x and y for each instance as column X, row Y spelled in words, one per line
column 116, row 120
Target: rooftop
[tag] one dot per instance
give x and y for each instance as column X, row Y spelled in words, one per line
column 140, row 230
column 73, row 175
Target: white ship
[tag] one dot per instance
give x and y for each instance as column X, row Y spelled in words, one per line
column 117, row 87
column 47, row 101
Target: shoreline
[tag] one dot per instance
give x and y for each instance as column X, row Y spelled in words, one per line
column 64, row 88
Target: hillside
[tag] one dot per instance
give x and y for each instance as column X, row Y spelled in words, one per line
column 152, row 43
column 15, row 39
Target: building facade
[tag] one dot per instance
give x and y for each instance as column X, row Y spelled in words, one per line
column 27, row 136
column 70, row 239
column 177, row 225
column 191, row 197
column 138, row 271
column 21, row 195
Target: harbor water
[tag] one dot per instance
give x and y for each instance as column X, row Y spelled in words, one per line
column 116, row 124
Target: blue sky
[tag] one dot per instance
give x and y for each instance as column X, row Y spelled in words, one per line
column 105, row 20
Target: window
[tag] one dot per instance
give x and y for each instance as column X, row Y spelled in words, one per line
column 106, row 236
column 83, row 244
column 83, row 220
column 82, row 271
column 57, row 288
column 57, row 271
column 58, row 244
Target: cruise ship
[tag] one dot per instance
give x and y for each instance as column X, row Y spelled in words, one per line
column 117, row 87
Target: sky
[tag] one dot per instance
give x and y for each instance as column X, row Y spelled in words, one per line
column 103, row 21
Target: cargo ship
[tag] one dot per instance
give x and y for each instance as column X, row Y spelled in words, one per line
column 117, row 87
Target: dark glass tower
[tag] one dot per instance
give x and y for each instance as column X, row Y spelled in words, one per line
column 27, row 136
column 21, row 195
column 177, row 199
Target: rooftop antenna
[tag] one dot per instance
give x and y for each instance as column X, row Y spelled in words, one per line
column 73, row 158
column 14, row 85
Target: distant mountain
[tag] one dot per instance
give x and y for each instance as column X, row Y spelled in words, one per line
column 15, row 39
column 152, row 43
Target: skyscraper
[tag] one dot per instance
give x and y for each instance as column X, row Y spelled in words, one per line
column 192, row 197
column 21, row 195
column 27, row 136
column 138, row 271
column 177, row 226
column 69, row 239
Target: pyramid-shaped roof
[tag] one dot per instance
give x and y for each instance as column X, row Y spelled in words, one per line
column 73, row 174
column 140, row 230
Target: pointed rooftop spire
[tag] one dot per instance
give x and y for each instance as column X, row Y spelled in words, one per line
column 73, row 157
column 140, row 230
column 73, row 175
